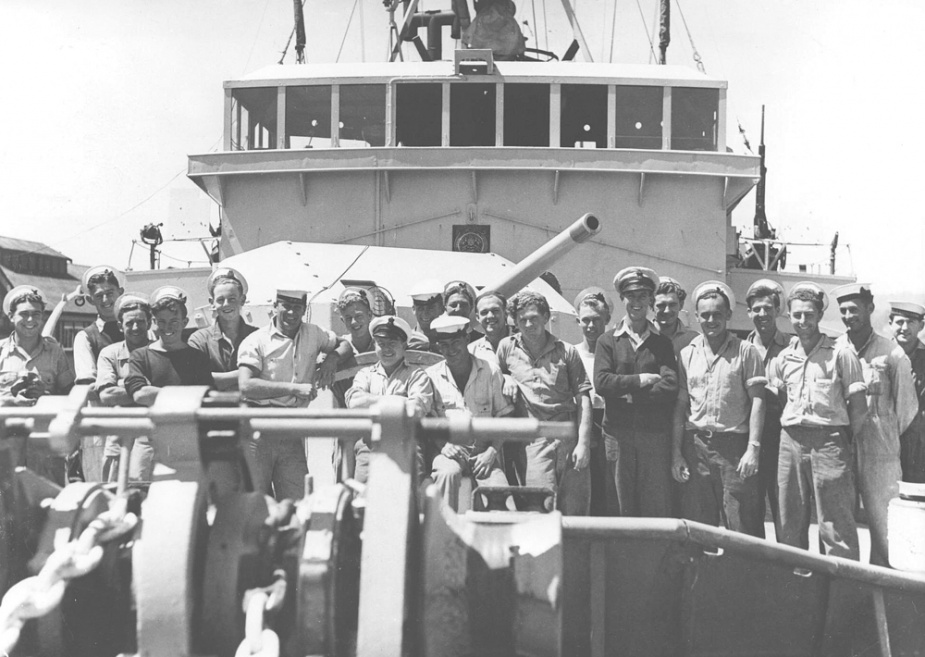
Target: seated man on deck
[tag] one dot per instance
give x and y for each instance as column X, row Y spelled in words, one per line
column 391, row 376
column 471, row 387
column 134, row 314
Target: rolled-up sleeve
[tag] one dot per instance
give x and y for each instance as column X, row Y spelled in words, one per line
column 578, row 377
column 84, row 362
column 107, row 371
column 753, row 366
column 421, row 390
column 850, row 373
column 250, row 353
column 360, row 384
column 499, row 403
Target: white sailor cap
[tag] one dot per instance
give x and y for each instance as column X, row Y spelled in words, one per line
column 635, row 278
column 292, row 296
column 764, row 287
column 353, row 295
column 593, row 292
column 104, row 270
column 390, row 326
column 424, row 291
column 168, row 292
column 449, row 326
column 907, row 308
column 852, row 291
column 226, row 273
column 718, row 287
column 130, row 299
column 814, row 289
column 17, row 293
column 459, row 287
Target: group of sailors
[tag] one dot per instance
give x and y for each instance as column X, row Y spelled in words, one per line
column 671, row 422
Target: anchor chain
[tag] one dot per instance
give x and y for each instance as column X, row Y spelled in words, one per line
column 259, row 640
column 37, row 596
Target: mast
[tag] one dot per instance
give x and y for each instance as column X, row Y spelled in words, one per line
column 299, row 31
column 762, row 229
column 664, row 30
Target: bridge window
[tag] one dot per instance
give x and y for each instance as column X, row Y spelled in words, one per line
column 638, row 121
column 362, row 115
column 418, row 114
column 584, row 116
column 526, row 115
column 308, row 117
column 472, row 114
column 694, row 119
column 253, row 118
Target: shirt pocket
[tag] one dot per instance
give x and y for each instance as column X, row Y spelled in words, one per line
column 821, row 393
column 481, row 405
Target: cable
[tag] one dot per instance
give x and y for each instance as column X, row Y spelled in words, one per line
column 697, row 59
column 645, row 27
column 613, row 30
column 545, row 28
column 256, row 36
column 346, row 30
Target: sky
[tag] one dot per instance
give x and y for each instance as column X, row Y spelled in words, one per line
column 104, row 99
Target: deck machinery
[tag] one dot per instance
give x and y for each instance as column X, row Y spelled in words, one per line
column 199, row 564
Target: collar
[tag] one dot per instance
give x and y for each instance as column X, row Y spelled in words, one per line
column 624, row 328
column 275, row 332
column 100, row 323
column 551, row 343
column 218, row 334
column 825, row 342
column 680, row 330
column 705, row 344
column 11, row 344
column 779, row 338
column 381, row 370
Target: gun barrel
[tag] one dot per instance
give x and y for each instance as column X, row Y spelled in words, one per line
column 539, row 261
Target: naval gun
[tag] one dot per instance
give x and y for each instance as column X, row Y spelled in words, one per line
column 200, row 564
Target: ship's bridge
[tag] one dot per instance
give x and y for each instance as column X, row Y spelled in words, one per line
column 478, row 155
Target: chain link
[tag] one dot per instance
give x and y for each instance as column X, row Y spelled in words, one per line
column 36, row 596
column 260, row 641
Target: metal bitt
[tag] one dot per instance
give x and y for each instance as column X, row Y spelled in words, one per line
column 537, row 262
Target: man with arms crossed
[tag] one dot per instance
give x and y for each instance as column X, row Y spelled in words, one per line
column 891, row 406
column 277, row 367
column 719, row 417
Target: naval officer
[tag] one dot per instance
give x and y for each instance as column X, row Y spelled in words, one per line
column 427, row 303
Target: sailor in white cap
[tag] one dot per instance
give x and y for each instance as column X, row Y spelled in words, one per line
column 133, row 310
column 469, row 387
column 636, row 374
column 907, row 320
column 594, row 310
column 427, row 301
column 390, row 377
column 101, row 286
column 669, row 301
column 719, row 419
column 553, row 387
column 221, row 341
column 278, row 366
column 764, row 298
column 31, row 366
column 891, row 404
column 821, row 386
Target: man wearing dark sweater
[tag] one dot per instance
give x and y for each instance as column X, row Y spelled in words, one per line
column 168, row 361
column 636, row 373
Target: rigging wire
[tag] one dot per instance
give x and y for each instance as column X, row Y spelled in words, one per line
column 645, row 27
column 256, row 35
column 346, row 30
column 536, row 26
column 545, row 28
column 655, row 27
column 697, row 59
column 613, row 30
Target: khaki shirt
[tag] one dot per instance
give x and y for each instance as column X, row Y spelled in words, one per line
column 717, row 383
column 48, row 361
column 482, row 396
column 275, row 357
column 818, row 384
column 405, row 381
column 549, row 384
column 891, row 402
column 112, row 366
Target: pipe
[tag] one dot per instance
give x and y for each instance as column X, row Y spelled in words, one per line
column 539, row 261
column 434, row 23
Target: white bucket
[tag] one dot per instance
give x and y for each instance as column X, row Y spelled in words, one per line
column 906, row 518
